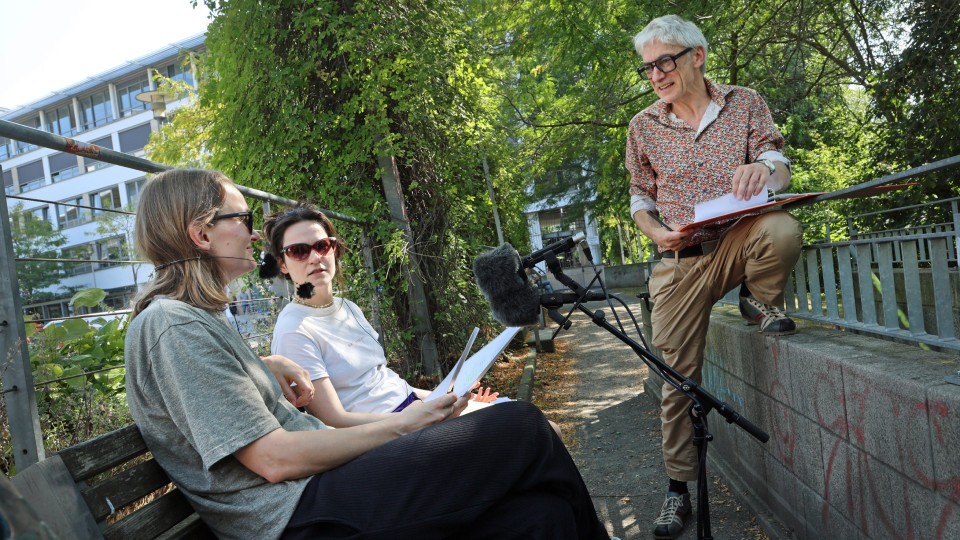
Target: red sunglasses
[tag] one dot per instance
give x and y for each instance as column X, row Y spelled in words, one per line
column 300, row 252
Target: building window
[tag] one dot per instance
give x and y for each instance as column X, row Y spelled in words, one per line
column 42, row 213
column 8, row 186
column 134, row 187
column 24, row 147
column 96, row 109
column 6, row 149
column 91, row 164
column 110, row 249
column 63, row 166
column 108, row 199
column 127, row 96
column 71, row 216
column 60, row 121
column 134, row 139
column 30, row 176
column 82, row 253
column 178, row 71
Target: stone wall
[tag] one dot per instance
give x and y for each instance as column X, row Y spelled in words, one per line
column 864, row 433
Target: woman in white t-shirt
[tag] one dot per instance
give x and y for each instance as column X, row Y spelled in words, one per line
column 326, row 334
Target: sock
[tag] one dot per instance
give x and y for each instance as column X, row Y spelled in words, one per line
column 744, row 291
column 677, row 486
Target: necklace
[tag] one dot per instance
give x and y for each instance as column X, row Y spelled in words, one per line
column 301, row 301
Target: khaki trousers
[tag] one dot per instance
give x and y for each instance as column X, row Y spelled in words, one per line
column 760, row 251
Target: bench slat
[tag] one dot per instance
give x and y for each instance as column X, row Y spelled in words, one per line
column 124, row 488
column 153, row 519
column 103, row 453
column 50, row 490
column 192, row 528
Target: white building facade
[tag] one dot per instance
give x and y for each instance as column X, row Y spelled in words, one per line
column 72, row 192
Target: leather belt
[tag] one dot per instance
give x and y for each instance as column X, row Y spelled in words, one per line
column 696, row 250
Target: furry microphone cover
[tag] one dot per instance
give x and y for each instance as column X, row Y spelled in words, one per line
column 512, row 299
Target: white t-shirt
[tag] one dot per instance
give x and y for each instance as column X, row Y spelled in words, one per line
column 338, row 342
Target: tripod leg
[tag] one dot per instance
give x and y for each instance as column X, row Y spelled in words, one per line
column 700, row 439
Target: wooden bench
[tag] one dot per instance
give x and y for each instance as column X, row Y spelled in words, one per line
column 79, row 491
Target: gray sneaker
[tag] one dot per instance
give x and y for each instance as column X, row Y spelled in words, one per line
column 675, row 510
column 772, row 321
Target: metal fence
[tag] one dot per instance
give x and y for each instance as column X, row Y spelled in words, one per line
column 900, row 282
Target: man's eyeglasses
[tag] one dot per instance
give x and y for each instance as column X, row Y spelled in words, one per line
column 246, row 217
column 665, row 64
column 300, row 252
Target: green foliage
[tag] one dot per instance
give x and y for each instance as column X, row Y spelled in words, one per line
column 77, row 367
column 79, row 352
column 35, row 238
column 309, row 95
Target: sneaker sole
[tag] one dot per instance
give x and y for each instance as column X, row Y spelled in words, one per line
column 784, row 333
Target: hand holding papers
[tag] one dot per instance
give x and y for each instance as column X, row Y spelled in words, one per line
column 725, row 205
column 472, row 369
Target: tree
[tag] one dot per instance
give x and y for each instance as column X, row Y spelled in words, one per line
column 35, row 237
column 314, row 98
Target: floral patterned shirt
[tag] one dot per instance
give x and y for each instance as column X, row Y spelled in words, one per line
column 674, row 166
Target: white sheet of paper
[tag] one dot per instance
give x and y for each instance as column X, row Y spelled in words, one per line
column 476, row 366
column 726, row 204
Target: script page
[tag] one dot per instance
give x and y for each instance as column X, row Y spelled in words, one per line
column 475, row 367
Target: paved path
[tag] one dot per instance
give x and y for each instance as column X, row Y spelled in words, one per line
column 619, row 439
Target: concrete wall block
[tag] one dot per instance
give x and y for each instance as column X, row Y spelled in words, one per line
column 818, row 389
column 899, row 507
column 843, row 484
column 784, row 498
column 806, row 457
column 749, row 460
column 887, row 412
column 736, row 348
column 824, row 521
column 943, row 409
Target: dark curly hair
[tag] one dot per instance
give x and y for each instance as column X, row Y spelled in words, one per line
column 276, row 225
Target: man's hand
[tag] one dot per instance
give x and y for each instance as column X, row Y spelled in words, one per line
column 750, row 179
column 294, row 380
column 661, row 233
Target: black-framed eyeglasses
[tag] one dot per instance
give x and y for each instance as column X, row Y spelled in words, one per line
column 300, row 252
column 665, row 64
column 247, row 218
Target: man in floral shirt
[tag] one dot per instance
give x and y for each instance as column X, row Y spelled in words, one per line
column 699, row 141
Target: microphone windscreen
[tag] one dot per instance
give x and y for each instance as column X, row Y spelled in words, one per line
column 269, row 267
column 512, row 298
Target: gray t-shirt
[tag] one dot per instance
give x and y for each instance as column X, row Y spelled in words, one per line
column 199, row 394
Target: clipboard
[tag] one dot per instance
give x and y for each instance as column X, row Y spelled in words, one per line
column 473, row 368
column 463, row 358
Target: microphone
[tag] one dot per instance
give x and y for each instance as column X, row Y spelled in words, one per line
column 559, row 246
column 503, row 282
column 513, row 299
column 557, row 299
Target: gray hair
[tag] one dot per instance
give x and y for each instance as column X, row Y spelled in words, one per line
column 673, row 30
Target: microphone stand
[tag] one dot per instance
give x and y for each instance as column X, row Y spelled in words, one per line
column 702, row 402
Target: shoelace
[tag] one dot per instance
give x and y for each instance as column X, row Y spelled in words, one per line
column 769, row 312
column 669, row 511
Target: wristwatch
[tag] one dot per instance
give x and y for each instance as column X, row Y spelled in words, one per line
column 770, row 165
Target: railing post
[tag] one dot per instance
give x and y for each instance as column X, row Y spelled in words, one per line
column 956, row 229
column 18, row 392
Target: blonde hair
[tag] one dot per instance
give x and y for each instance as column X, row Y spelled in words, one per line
column 171, row 203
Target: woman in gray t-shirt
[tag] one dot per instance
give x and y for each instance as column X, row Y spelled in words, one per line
column 254, row 467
